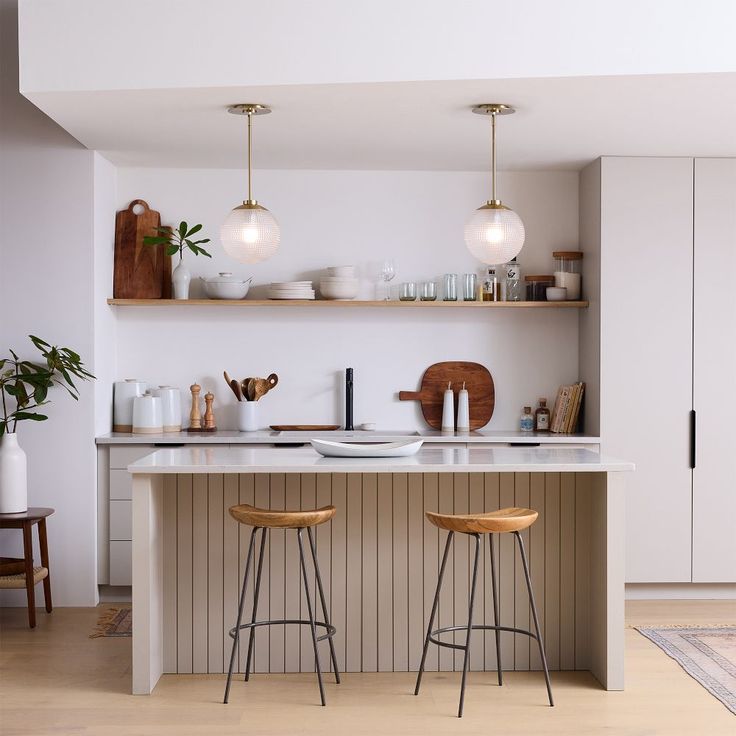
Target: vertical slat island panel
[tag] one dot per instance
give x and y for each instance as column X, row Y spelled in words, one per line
column 379, row 560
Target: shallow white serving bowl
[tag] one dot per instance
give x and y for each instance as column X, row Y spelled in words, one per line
column 384, row 449
column 226, row 286
column 341, row 271
column 338, row 290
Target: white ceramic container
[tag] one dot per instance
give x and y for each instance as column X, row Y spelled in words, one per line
column 557, row 293
column 13, row 476
column 123, row 394
column 247, row 416
column 170, row 407
column 339, row 289
column 344, row 271
column 147, row 415
column 226, row 286
column 180, row 279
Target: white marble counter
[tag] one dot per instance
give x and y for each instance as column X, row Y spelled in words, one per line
column 269, row 437
column 427, row 460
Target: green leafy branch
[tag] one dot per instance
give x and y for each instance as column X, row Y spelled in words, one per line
column 28, row 383
column 176, row 241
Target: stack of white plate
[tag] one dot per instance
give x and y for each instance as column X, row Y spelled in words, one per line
column 291, row 290
column 340, row 283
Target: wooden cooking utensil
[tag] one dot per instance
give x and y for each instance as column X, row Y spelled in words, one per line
column 263, row 385
column 140, row 271
column 478, row 382
column 248, row 386
column 234, row 386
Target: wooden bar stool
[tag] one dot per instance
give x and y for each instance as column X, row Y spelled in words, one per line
column 511, row 520
column 265, row 520
column 17, row 573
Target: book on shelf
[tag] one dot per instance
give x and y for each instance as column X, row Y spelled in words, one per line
column 567, row 408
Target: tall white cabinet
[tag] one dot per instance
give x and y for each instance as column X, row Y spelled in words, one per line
column 658, row 343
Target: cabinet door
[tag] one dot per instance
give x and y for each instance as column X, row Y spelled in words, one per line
column 714, row 373
column 646, row 354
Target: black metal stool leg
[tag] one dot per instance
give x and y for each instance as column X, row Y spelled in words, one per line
column 466, row 659
column 534, row 616
column 495, row 609
column 256, row 593
column 434, row 611
column 323, row 602
column 236, row 638
column 311, row 615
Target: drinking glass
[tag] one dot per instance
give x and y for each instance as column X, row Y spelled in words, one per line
column 470, row 281
column 408, row 292
column 450, row 287
column 428, row 291
column 387, row 273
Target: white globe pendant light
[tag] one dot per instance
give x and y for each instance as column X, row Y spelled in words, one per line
column 494, row 233
column 250, row 233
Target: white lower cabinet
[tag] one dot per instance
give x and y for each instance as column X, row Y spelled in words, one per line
column 121, row 563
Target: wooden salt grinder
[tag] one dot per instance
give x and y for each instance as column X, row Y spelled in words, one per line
column 209, row 415
column 195, row 419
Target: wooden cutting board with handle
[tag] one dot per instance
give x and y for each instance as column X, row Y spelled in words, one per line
column 141, row 271
column 478, row 382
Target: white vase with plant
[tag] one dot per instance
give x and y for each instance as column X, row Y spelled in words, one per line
column 24, row 386
column 177, row 241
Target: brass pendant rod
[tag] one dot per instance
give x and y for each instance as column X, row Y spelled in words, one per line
column 250, row 148
column 493, row 155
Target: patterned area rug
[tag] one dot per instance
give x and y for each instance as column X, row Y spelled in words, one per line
column 116, row 621
column 707, row 654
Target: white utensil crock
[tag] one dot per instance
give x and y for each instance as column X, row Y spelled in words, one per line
column 13, row 476
column 147, row 415
column 247, row 416
column 170, row 407
column 180, row 279
column 123, row 394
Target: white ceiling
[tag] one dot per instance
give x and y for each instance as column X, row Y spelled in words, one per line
column 560, row 124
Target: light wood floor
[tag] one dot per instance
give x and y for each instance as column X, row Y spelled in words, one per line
column 55, row 680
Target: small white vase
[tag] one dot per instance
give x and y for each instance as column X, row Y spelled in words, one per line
column 13, row 476
column 180, row 279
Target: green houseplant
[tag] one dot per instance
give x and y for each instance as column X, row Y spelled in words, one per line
column 177, row 241
column 24, row 388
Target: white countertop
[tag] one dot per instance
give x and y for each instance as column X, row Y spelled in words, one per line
column 427, row 460
column 269, row 437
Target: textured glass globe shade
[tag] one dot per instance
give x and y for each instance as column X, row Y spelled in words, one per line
column 494, row 234
column 250, row 234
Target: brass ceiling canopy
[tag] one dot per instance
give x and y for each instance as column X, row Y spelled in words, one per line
column 249, row 108
column 491, row 108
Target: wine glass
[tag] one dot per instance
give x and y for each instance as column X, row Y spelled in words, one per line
column 387, row 273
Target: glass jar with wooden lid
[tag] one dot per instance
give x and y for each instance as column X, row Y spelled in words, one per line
column 568, row 272
column 536, row 287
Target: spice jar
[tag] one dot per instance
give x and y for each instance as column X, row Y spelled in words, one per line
column 536, row 287
column 568, row 267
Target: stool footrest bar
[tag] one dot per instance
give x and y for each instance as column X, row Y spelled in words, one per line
column 331, row 630
column 475, row 627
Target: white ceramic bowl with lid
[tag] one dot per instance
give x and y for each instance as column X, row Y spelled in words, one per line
column 226, row 286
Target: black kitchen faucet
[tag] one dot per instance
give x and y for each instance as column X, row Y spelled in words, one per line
column 349, row 400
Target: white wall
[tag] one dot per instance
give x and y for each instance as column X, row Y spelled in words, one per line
column 46, row 286
column 354, row 217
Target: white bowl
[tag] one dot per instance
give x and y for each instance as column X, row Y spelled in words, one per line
column 556, row 293
column 225, row 286
column 344, row 271
column 336, row 290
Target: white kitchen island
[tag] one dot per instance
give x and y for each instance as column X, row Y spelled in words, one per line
column 379, row 557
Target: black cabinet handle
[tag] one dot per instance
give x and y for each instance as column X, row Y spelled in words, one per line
column 692, row 438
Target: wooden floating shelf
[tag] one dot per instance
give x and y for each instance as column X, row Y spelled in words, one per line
column 337, row 303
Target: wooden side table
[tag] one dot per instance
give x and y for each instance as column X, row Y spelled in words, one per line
column 21, row 573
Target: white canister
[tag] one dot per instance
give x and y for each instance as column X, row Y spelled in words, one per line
column 170, row 407
column 463, row 410
column 13, row 476
column 247, row 416
column 147, row 416
column 123, row 394
column 448, row 410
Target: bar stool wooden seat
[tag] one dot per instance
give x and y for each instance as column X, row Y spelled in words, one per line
column 264, row 520
column 510, row 520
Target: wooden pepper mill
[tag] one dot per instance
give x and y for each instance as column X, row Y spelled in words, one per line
column 209, row 415
column 195, row 417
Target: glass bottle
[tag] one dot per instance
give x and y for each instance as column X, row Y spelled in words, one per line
column 514, row 284
column 541, row 417
column 527, row 420
column 491, row 286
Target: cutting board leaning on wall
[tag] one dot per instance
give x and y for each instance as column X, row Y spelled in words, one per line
column 141, row 271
